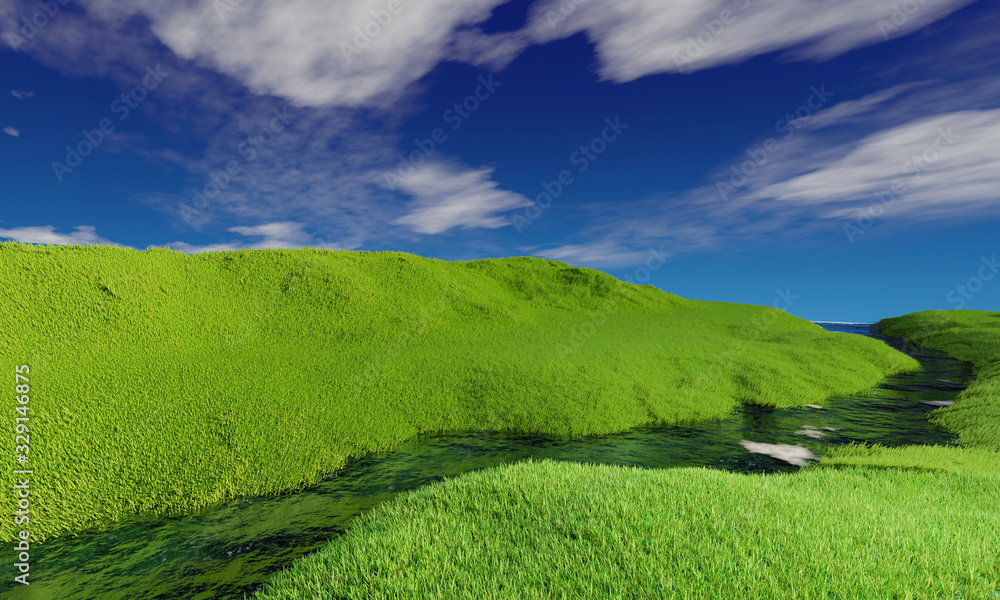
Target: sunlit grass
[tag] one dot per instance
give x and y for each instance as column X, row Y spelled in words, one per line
column 161, row 382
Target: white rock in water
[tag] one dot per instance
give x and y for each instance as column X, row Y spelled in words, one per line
column 811, row 433
column 796, row 455
column 830, row 428
column 938, row 402
column 813, row 406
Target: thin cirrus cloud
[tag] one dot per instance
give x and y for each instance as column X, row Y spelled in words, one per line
column 601, row 254
column 285, row 234
column 11, row 131
column 855, row 111
column 47, row 234
column 22, row 94
column 921, row 166
column 447, row 196
column 946, row 163
column 635, row 38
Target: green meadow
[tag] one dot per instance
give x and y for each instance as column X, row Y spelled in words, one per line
column 162, row 382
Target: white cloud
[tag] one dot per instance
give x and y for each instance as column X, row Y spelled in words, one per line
column 323, row 165
column 286, row 234
column 281, row 235
column 854, row 111
column 21, row 94
column 317, row 168
column 635, row 38
column 315, row 53
column 448, row 196
column 84, row 235
column 275, row 235
column 947, row 163
column 195, row 249
column 816, row 184
column 598, row 254
column 11, row 131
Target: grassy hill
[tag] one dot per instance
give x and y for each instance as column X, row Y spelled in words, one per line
column 161, row 381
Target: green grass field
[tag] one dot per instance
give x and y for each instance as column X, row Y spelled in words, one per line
column 162, row 382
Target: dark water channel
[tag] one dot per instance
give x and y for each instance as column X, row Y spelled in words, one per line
column 231, row 550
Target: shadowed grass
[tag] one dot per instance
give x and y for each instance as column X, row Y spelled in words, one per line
column 161, row 382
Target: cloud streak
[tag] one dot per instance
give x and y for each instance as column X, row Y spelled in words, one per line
column 448, row 196
column 363, row 53
column 948, row 161
column 937, row 168
column 47, row 234
column 286, row 234
column 636, row 38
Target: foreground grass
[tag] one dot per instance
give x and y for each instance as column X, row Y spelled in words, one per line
column 161, row 382
column 566, row 530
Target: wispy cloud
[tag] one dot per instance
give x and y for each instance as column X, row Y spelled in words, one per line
column 281, row 235
column 941, row 164
column 948, row 162
column 11, row 131
column 285, row 234
column 635, row 38
column 84, row 235
column 598, row 254
column 855, row 111
column 448, row 196
column 21, row 94
column 326, row 165
column 360, row 54
column 195, row 249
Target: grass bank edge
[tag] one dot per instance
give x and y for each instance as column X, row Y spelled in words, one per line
column 968, row 335
column 109, row 328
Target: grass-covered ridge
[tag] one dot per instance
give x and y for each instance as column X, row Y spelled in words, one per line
column 162, row 381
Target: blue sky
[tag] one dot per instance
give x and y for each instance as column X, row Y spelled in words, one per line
column 838, row 159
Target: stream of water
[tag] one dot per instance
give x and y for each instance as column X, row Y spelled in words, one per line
column 226, row 551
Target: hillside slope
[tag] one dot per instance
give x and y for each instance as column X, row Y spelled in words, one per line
column 162, row 381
